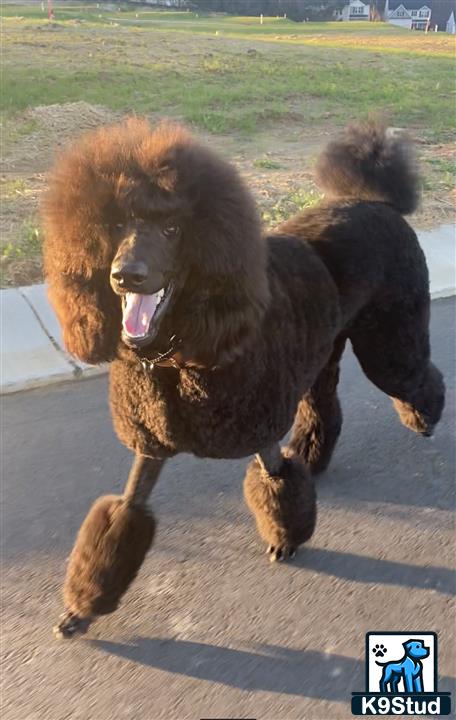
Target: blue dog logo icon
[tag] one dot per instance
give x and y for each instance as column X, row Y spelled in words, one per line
column 409, row 669
column 408, row 686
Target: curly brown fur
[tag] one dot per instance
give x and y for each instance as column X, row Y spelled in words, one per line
column 127, row 171
column 367, row 162
column 284, row 505
column 424, row 408
column 258, row 318
column 109, row 550
column 318, row 419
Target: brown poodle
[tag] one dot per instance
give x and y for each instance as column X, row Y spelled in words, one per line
column 220, row 339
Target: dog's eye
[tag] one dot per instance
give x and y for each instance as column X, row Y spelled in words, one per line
column 171, row 230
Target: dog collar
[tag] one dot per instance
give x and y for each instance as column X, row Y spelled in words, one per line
column 164, row 359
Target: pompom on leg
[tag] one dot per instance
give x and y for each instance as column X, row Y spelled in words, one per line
column 109, row 550
column 422, row 409
column 281, row 496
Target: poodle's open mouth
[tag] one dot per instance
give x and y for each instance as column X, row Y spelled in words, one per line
column 142, row 315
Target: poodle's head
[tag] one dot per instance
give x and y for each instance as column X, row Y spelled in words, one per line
column 149, row 236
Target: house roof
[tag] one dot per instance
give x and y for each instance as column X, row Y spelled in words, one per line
column 409, row 4
column 439, row 7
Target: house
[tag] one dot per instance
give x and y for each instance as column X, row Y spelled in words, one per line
column 354, row 10
column 411, row 14
column 451, row 24
column 422, row 14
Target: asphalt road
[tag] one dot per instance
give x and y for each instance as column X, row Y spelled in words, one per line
column 210, row 628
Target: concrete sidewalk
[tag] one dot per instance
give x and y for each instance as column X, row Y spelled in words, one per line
column 32, row 351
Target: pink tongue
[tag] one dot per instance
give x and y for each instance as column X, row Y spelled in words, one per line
column 138, row 313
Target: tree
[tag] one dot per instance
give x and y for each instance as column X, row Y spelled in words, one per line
column 294, row 9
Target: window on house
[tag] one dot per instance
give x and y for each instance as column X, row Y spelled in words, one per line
column 424, row 13
column 414, row 12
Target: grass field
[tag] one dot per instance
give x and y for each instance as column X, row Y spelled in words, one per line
column 268, row 95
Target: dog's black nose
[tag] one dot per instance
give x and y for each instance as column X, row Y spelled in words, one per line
column 130, row 274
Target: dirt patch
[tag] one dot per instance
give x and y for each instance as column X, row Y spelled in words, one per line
column 438, row 167
column 53, row 126
column 29, row 147
column 277, row 164
column 22, row 271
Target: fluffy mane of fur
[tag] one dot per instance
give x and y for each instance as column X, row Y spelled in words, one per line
column 128, row 169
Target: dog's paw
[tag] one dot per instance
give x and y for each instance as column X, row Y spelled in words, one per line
column 71, row 625
column 280, row 552
column 379, row 650
column 284, row 505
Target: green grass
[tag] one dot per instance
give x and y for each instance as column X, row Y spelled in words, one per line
column 26, row 245
column 20, row 255
column 259, row 83
column 196, row 22
column 12, row 188
column 442, row 175
column 267, row 164
column 15, row 128
column 444, row 165
column 152, row 63
column 288, row 205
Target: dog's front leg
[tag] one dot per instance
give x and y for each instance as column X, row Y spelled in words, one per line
column 109, row 550
column 280, row 493
column 409, row 684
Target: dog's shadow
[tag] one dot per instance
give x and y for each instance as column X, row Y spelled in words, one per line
column 305, row 673
column 358, row 568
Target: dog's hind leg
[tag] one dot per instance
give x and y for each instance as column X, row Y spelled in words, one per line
column 109, row 550
column 395, row 684
column 392, row 346
column 386, row 679
column 280, row 493
column 318, row 420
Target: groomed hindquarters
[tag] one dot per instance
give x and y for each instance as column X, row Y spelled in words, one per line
column 390, row 334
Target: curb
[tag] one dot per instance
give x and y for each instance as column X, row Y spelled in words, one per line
column 31, row 350
column 32, row 353
column 439, row 247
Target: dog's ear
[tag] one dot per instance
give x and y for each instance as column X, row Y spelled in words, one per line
column 78, row 252
column 225, row 256
column 89, row 314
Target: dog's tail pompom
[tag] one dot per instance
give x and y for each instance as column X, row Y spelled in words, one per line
column 371, row 162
